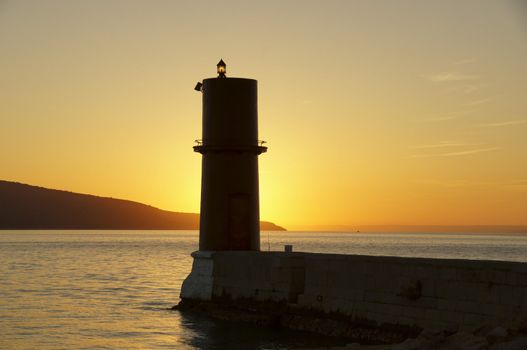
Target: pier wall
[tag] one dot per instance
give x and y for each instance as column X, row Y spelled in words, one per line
column 414, row 292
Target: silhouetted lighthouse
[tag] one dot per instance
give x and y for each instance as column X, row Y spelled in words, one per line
column 230, row 213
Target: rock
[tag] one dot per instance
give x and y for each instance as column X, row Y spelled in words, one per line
column 428, row 339
column 463, row 341
column 411, row 291
column 497, row 334
column 357, row 346
column 522, row 326
column 409, row 344
column 516, row 344
column 436, row 335
column 458, row 341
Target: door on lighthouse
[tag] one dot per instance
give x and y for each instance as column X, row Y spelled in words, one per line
column 239, row 235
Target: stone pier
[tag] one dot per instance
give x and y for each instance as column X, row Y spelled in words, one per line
column 416, row 293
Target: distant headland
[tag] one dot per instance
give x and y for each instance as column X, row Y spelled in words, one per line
column 26, row 207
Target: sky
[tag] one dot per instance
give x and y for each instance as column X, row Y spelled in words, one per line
column 375, row 112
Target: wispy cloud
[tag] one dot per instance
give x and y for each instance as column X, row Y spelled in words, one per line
column 472, row 151
column 444, row 144
column 464, row 61
column 439, row 119
column 457, row 153
column 467, row 89
column 517, row 185
column 447, row 116
column 443, row 183
column 479, row 102
column 506, row 123
column 450, row 76
column 508, row 184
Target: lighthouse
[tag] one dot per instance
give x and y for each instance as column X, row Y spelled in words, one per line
column 229, row 213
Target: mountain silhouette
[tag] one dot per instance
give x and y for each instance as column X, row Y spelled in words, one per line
column 27, row 207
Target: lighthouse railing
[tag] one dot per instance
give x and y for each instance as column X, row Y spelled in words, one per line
column 260, row 143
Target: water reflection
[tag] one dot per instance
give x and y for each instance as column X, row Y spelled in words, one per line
column 112, row 289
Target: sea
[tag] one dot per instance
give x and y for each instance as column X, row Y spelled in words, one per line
column 114, row 289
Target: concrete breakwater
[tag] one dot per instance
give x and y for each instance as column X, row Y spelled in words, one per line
column 398, row 295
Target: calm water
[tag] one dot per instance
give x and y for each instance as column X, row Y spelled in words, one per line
column 111, row 289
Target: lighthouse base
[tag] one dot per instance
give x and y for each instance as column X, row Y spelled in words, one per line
column 198, row 284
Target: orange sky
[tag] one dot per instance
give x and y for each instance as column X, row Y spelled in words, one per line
column 375, row 112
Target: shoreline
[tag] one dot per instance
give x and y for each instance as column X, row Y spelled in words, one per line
column 357, row 334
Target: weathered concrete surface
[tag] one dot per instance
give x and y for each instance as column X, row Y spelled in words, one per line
column 416, row 293
column 198, row 285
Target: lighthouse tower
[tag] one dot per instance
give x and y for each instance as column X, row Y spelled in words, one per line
column 230, row 218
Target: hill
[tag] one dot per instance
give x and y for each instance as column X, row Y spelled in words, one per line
column 28, row 207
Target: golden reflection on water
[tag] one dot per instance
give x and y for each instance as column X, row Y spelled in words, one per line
column 92, row 289
column 112, row 289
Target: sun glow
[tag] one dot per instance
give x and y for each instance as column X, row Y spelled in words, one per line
column 401, row 124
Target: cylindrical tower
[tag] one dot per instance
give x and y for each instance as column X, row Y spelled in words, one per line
column 230, row 218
